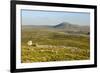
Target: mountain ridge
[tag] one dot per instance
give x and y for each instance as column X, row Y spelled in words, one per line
column 64, row 26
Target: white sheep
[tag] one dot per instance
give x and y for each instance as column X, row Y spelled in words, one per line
column 29, row 43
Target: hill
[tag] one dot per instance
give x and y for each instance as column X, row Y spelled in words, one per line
column 61, row 27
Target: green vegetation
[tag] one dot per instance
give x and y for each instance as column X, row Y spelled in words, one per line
column 76, row 47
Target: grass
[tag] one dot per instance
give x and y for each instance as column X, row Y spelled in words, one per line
column 31, row 54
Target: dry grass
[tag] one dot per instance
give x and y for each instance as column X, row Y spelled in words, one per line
column 75, row 47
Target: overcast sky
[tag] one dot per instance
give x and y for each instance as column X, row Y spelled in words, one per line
column 31, row 17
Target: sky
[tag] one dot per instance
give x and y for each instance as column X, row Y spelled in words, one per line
column 32, row 17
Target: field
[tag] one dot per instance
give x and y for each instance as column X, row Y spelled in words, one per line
column 52, row 45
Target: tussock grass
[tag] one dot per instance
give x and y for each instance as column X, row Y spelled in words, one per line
column 31, row 54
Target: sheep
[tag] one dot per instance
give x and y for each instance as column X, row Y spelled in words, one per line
column 29, row 43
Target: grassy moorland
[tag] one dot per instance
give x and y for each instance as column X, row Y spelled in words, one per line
column 64, row 46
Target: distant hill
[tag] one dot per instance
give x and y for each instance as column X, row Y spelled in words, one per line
column 63, row 27
column 73, row 27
